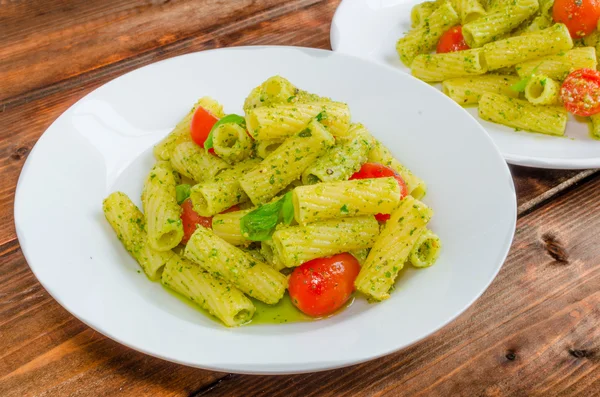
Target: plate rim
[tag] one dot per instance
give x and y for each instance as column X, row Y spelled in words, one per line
column 307, row 367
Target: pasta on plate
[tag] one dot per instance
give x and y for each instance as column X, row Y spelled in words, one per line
column 524, row 63
column 237, row 208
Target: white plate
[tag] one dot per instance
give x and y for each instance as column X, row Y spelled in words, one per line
column 370, row 29
column 103, row 143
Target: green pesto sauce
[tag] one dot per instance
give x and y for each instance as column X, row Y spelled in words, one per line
column 285, row 312
column 281, row 313
column 191, row 304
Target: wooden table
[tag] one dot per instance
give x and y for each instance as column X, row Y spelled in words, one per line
column 536, row 331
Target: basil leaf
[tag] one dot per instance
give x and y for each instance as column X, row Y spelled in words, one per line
column 259, row 224
column 287, row 208
column 182, row 192
column 230, row 118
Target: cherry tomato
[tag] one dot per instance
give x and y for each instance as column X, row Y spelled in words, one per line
column 231, row 209
column 452, row 40
column 191, row 220
column 580, row 92
column 202, row 123
column 321, row 286
column 374, row 170
column 580, row 16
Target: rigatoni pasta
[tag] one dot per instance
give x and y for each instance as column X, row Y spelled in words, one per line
column 514, row 50
column 163, row 222
column 195, row 163
column 286, row 163
column 291, row 189
column 511, row 51
column 341, row 199
column 392, row 248
column 499, row 21
column 224, row 260
column 130, row 225
column 560, row 65
column 424, row 38
column 280, row 121
column 342, row 160
column 181, row 132
column 440, row 67
column 217, row 296
column 542, row 90
column 522, row 115
column 299, row 244
column 468, row 90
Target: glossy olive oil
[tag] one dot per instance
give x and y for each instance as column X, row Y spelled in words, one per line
column 282, row 312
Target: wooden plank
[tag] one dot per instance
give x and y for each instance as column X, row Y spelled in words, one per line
column 534, row 332
column 22, row 125
column 47, row 41
column 46, row 349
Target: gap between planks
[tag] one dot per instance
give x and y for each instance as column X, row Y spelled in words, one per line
column 536, row 202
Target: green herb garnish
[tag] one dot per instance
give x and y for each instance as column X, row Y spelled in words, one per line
column 260, row 224
column 521, row 84
column 230, row 118
column 182, row 192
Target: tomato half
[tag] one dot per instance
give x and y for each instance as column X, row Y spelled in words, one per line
column 374, row 170
column 452, row 40
column 321, row 286
column 191, row 220
column 580, row 92
column 202, row 123
column 580, row 16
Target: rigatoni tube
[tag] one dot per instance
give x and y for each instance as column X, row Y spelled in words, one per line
column 196, row 163
column 342, row 199
column 298, row 244
column 217, row 296
column 223, row 192
column 514, row 50
column 286, row 163
column 130, row 226
column 275, row 89
column 559, row 66
column 426, row 250
column 439, row 67
column 468, row 90
column 163, row 221
column 227, row 226
column 181, row 132
column 224, row 260
column 424, row 38
column 542, row 90
column 232, row 143
column 278, row 122
column 499, row 21
column 380, row 154
column 520, row 114
column 390, row 252
column 342, row 160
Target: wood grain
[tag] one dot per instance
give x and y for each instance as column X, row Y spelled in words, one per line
column 22, row 125
column 47, row 41
column 533, row 333
column 46, row 349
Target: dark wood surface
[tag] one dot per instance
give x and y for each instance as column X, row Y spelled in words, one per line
column 536, row 330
